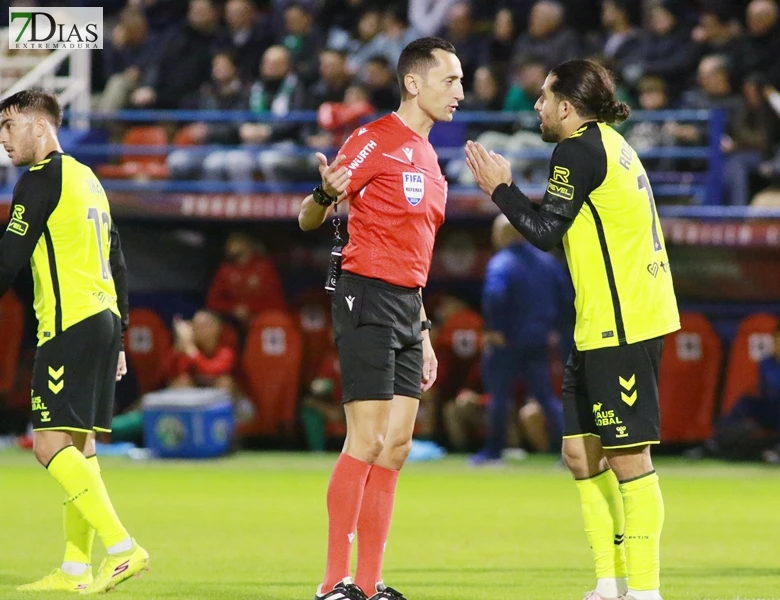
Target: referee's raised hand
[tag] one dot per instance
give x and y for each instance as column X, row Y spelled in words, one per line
column 335, row 180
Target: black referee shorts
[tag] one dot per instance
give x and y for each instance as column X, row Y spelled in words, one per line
column 379, row 339
column 74, row 376
column 612, row 393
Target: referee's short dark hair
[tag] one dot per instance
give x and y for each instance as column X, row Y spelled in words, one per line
column 418, row 58
column 35, row 100
column 590, row 87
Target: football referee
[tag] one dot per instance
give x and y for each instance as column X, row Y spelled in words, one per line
column 600, row 204
column 390, row 173
column 61, row 223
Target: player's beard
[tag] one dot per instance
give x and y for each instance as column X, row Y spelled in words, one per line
column 551, row 132
column 23, row 155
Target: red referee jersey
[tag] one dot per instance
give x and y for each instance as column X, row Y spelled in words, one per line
column 396, row 196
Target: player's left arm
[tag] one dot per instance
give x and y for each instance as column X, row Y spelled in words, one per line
column 570, row 182
column 119, row 273
column 35, row 197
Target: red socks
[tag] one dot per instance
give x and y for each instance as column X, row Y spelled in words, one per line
column 373, row 526
column 345, row 496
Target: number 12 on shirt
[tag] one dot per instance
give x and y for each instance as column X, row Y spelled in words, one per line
column 102, row 242
column 644, row 184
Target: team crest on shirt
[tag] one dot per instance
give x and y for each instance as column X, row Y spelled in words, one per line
column 414, row 187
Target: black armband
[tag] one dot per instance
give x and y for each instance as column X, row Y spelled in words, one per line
column 321, row 198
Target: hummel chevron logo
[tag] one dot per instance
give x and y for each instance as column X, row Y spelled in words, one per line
column 628, row 384
column 56, row 374
column 350, row 301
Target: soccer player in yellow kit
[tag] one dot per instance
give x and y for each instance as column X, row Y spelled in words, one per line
column 599, row 203
column 61, row 223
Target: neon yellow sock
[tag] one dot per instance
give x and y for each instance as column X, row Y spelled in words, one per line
column 79, row 534
column 644, row 506
column 86, row 491
column 602, row 511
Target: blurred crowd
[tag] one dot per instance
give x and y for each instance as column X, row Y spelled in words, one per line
column 337, row 57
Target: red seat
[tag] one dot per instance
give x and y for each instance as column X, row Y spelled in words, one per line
column 148, row 343
column 753, row 342
column 183, row 137
column 315, row 326
column 139, row 166
column 312, row 308
column 690, row 370
column 12, row 326
column 458, row 348
column 272, row 363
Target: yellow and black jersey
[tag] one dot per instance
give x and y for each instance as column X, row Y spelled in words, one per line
column 61, row 222
column 599, row 200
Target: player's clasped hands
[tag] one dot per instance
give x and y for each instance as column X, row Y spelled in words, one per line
column 335, row 180
column 489, row 168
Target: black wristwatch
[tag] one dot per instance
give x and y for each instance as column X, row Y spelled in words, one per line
column 321, row 198
column 426, row 325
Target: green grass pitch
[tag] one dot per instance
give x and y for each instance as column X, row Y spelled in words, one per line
column 253, row 526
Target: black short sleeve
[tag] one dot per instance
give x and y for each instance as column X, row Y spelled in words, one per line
column 576, row 169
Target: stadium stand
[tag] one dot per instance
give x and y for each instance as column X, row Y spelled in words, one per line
column 701, row 77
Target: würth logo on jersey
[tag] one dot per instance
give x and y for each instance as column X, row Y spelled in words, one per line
column 414, row 187
column 362, row 155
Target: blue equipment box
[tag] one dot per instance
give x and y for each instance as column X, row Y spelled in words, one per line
column 188, row 422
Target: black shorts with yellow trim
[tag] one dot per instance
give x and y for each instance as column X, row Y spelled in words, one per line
column 612, row 393
column 74, row 376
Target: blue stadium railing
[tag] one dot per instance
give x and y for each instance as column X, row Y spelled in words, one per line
column 448, row 138
column 703, row 187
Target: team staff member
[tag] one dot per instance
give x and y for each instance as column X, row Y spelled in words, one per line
column 61, row 223
column 525, row 298
column 600, row 204
column 391, row 175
